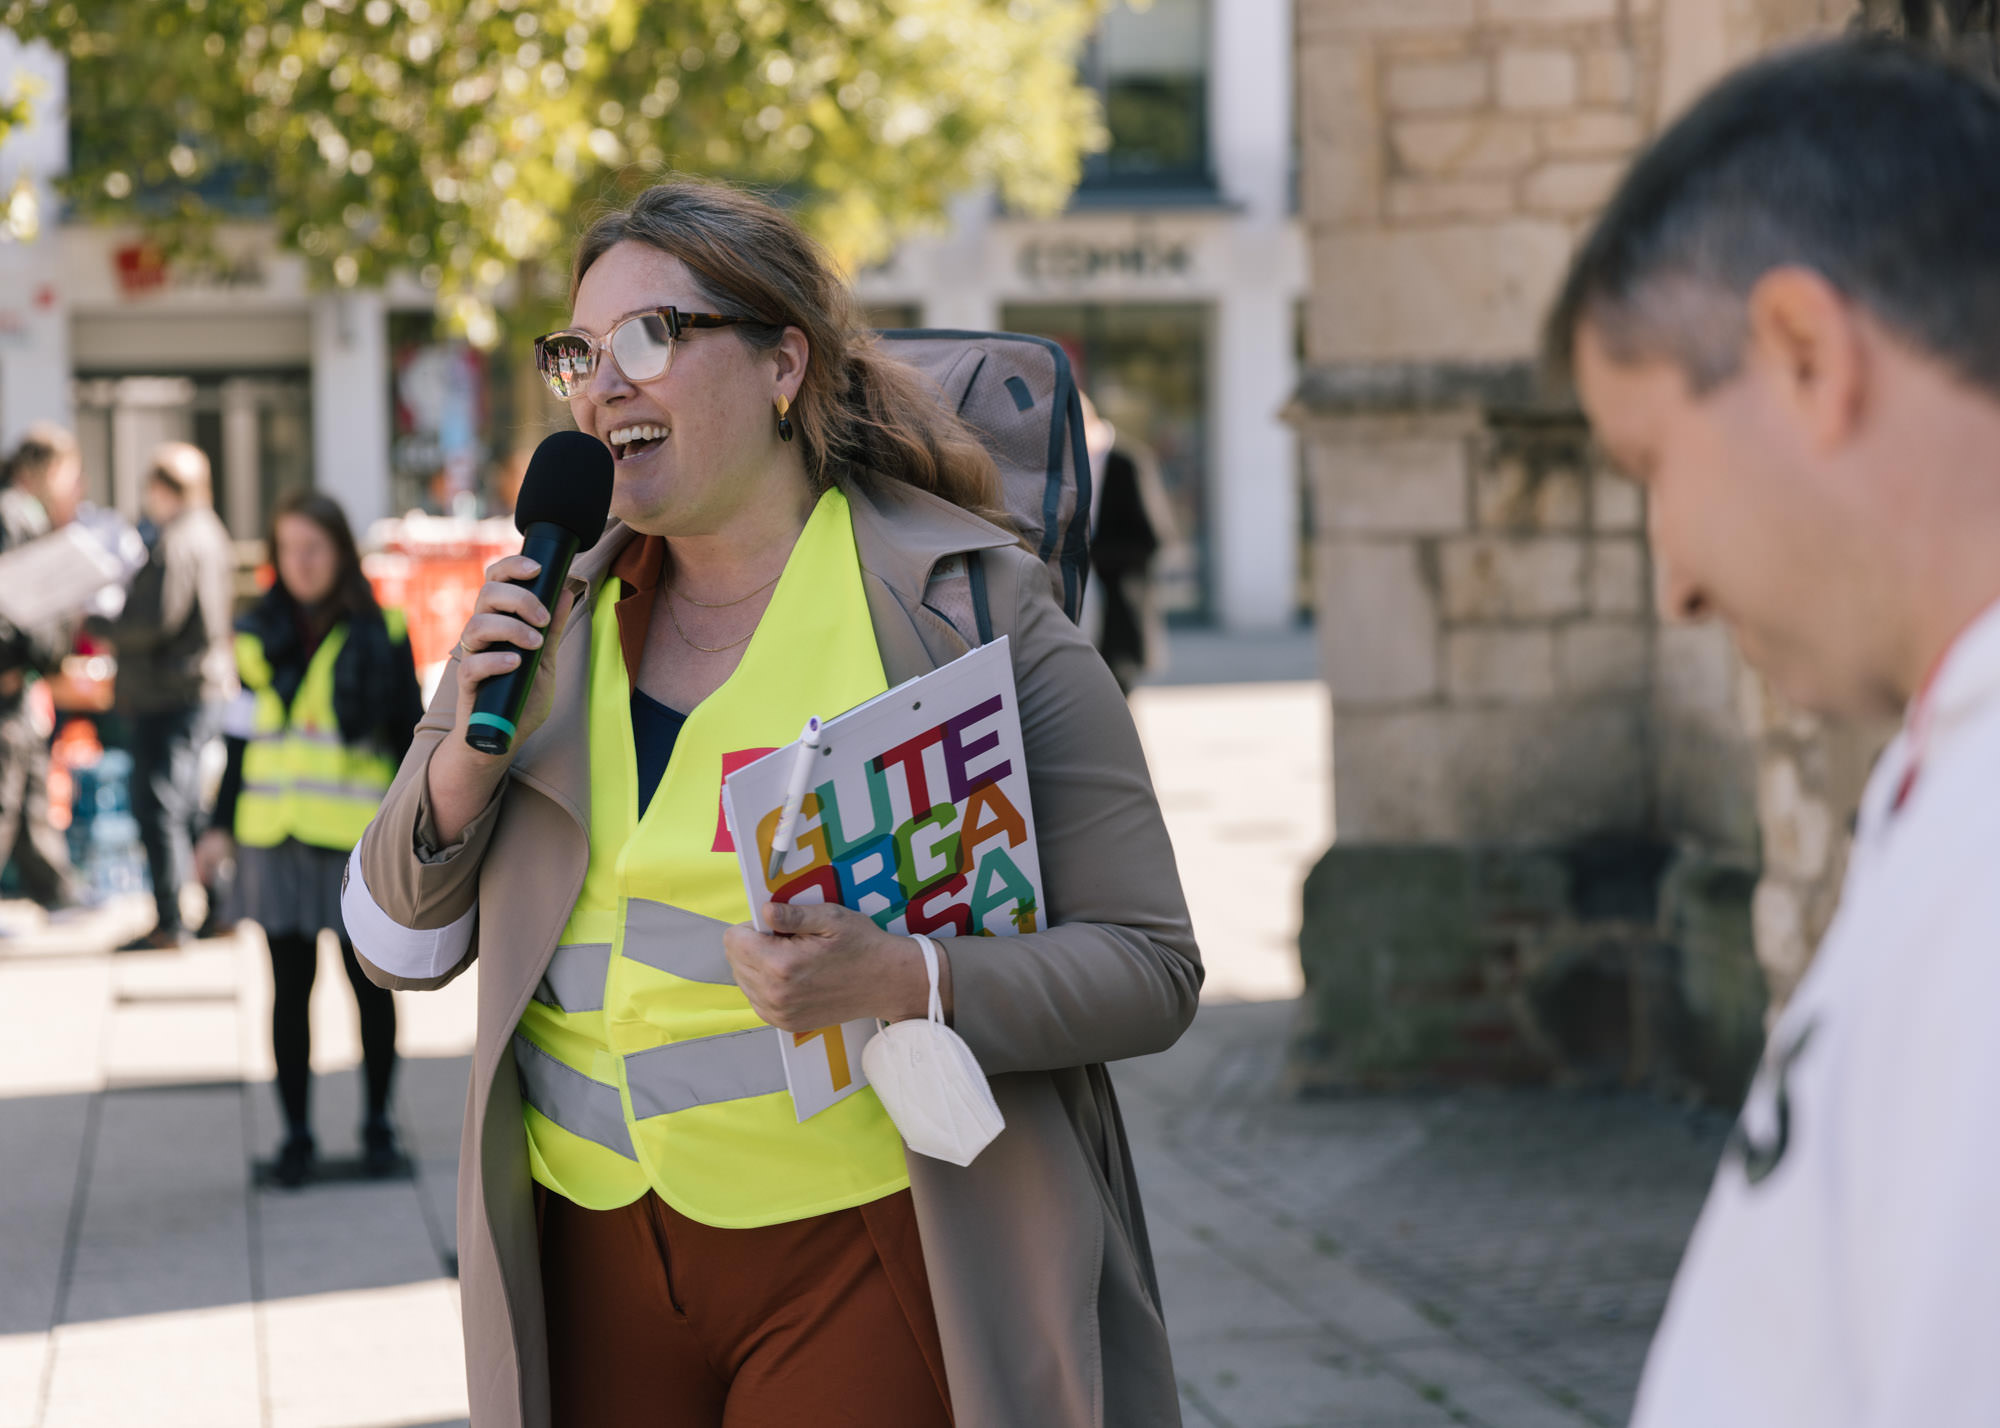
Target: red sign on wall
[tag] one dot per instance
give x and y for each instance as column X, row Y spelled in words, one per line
column 141, row 267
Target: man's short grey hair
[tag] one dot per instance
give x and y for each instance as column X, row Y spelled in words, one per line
column 1868, row 161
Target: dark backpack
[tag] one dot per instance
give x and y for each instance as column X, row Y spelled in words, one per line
column 1019, row 397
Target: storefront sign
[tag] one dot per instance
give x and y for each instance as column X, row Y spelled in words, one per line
column 1079, row 259
column 143, row 267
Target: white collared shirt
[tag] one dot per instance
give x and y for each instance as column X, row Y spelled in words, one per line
column 1846, row 1269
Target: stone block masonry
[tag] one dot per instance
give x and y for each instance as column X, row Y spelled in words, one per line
column 1599, row 963
column 1506, row 700
column 1485, row 630
column 1500, row 677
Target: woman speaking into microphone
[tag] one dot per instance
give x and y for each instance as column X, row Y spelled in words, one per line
column 648, row 1235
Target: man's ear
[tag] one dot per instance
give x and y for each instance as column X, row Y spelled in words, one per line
column 1807, row 338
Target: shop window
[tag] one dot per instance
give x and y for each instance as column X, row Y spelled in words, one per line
column 441, row 396
column 1146, row 367
column 255, row 428
column 1149, row 64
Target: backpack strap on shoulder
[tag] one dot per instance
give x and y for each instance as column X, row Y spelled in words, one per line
column 956, row 594
column 982, row 612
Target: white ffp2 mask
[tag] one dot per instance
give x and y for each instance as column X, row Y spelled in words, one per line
column 930, row 1083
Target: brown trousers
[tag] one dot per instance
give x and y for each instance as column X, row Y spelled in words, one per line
column 659, row 1321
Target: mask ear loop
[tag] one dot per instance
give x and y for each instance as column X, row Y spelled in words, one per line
column 929, row 949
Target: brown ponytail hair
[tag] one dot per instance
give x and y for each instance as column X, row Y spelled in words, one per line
column 859, row 413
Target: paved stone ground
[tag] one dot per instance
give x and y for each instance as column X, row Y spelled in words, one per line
column 1493, row 1260
column 1490, row 1258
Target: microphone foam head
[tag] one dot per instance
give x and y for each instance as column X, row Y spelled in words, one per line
column 568, row 484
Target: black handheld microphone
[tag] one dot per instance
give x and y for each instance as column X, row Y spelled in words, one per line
column 565, row 500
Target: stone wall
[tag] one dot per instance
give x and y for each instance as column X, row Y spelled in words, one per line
column 1452, row 151
column 1503, row 690
column 1546, row 834
column 1810, row 777
column 1491, row 672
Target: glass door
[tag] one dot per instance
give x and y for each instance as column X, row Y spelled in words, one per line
column 255, row 429
column 1145, row 365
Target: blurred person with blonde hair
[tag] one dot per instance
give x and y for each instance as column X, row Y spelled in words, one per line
column 176, row 667
column 40, row 489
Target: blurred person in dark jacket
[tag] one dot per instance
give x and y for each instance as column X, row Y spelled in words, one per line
column 176, row 667
column 1130, row 522
column 328, row 707
column 40, row 490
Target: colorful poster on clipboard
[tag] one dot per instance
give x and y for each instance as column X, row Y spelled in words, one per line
column 917, row 816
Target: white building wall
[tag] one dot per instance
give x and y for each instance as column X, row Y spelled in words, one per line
column 1254, row 481
column 34, row 327
column 1245, row 258
column 350, row 402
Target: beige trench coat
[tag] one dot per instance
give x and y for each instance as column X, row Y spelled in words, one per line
column 1037, row 1253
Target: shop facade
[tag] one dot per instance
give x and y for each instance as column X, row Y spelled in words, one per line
column 1174, row 280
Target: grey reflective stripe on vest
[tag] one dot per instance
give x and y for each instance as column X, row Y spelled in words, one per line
column 672, row 939
column 572, row 1100
column 361, row 792
column 684, row 1074
column 574, row 981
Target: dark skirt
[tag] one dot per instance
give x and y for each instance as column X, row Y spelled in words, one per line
column 292, row 888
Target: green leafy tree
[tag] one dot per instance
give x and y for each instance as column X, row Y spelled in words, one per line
column 14, row 107
column 460, row 139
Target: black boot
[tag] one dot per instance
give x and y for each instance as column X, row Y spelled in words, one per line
column 381, row 1156
column 294, row 1165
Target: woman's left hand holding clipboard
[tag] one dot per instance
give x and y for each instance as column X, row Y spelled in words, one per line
column 822, row 965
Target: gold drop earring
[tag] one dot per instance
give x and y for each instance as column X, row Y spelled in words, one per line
column 784, row 406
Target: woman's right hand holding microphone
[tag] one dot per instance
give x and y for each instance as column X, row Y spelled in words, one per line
column 506, row 619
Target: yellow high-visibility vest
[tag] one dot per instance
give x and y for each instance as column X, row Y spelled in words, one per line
column 300, row 780
column 641, row 1062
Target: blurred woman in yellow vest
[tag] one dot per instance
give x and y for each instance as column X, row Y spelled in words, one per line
column 328, row 705
column 648, row 1233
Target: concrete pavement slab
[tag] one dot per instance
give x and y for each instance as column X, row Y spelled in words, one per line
column 1484, row 1390
column 38, row 1185
column 1249, row 814
column 384, row 1356
column 1208, row 1296
column 190, row 1369
column 172, row 1043
column 52, row 1024
column 201, row 971
column 23, row 1357
column 1299, row 1382
column 330, row 1238
column 165, row 1224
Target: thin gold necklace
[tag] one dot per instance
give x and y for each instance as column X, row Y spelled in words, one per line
column 689, row 642
column 724, row 604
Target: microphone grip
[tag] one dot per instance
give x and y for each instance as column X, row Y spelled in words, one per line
column 497, row 704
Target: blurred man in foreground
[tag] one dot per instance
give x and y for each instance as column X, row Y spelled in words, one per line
column 40, row 490
column 1786, row 328
column 176, row 667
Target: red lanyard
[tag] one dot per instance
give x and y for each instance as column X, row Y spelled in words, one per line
column 1920, row 729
